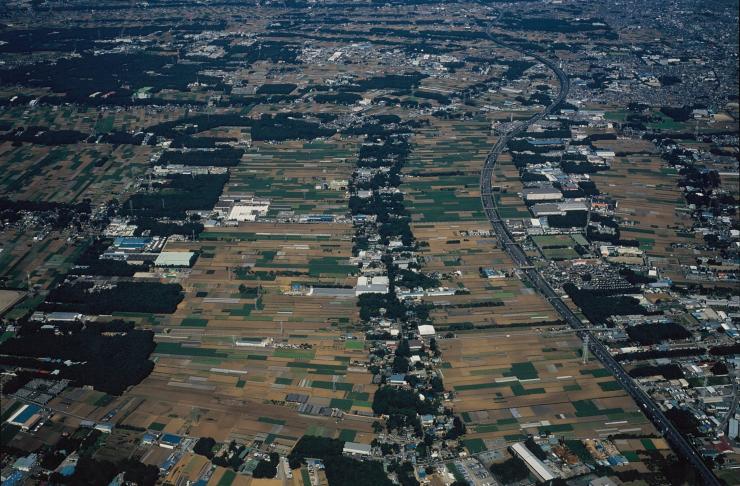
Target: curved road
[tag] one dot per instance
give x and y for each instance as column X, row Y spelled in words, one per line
column 680, row 445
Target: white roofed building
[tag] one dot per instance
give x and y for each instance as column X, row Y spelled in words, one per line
column 357, row 448
column 426, row 330
column 372, row 285
column 538, row 468
column 175, row 259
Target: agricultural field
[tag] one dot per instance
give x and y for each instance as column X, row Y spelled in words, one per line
column 444, row 199
column 256, row 232
column 651, row 209
column 510, row 383
column 211, row 353
column 297, row 176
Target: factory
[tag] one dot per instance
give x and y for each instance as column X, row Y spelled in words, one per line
column 541, row 193
column 241, row 207
column 175, row 259
column 372, row 285
column 26, row 417
column 355, row 448
column 537, row 467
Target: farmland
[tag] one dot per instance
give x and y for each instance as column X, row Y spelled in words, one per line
column 257, row 244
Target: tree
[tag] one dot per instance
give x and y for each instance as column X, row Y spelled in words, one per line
column 510, row 471
column 458, row 428
column 437, row 384
column 267, row 469
column 719, row 368
column 204, row 447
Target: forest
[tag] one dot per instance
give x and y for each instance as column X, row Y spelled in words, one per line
column 647, row 334
column 222, row 157
column 178, row 194
column 85, row 298
column 599, row 308
column 287, row 126
column 108, row 362
column 340, row 470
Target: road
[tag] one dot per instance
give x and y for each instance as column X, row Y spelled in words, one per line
column 680, row 445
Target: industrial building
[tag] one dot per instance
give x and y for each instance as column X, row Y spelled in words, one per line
column 372, row 285
column 546, row 209
column 537, row 467
column 170, row 441
column 241, row 207
column 26, row 417
column 356, row 448
column 426, row 330
column 254, row 342
column 175, row 259
column 541, row 193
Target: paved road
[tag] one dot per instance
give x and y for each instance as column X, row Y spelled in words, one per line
column 680, row 445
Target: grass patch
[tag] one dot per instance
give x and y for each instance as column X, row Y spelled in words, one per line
column 194, row 322
column 597, row 373
column 269, row 420
column 475, row 446
column 347, row 435
column 341, row 403
column 294, row 353
column 555, row 428
column 610, row 386
column 328, row 385
column 227, row 478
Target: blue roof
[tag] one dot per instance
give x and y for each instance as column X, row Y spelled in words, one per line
column 132, row 241
column 171, row 438
column 15, row 478
column 546, row 141
column 27, row 413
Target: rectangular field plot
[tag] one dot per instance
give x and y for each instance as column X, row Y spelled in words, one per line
column 518, row 382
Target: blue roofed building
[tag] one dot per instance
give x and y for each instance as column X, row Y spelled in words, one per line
column 170, row 441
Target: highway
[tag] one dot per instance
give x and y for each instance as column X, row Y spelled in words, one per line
column 680, row 445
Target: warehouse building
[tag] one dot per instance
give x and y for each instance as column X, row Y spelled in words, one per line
column 541, row 193
column 175, row 259
column 426, row 330
column 546, row 209
column 26, row 417
column 537, row 467
column 372, row 285
column 355, row 448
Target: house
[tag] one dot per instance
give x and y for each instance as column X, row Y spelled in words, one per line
column 397, row 379
column 105, row 428
column 415, row 345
